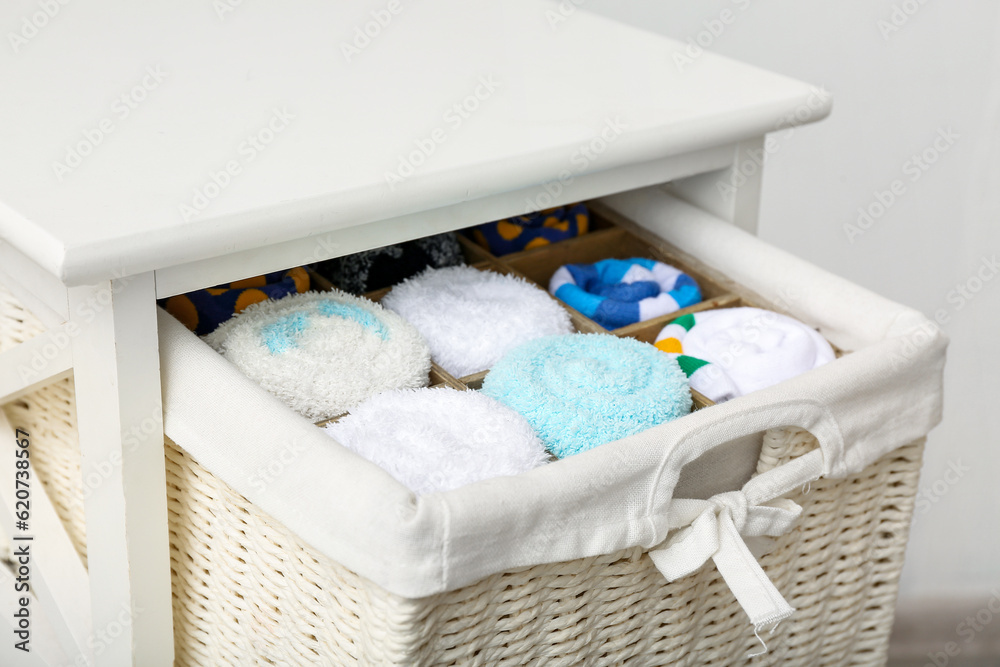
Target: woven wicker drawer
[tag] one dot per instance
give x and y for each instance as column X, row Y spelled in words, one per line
column 248, row 590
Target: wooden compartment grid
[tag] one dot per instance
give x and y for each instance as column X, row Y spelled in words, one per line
column 611, row 236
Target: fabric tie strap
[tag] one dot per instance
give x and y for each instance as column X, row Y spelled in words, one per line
column 713, row 529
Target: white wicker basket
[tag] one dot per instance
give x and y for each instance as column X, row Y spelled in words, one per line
column 249, row 591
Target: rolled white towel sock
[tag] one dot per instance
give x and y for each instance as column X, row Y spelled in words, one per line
column 471, row 318
column 322, row 353
column 439, row 439
column 731, row 352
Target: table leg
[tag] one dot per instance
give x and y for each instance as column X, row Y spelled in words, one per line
column 117, row 377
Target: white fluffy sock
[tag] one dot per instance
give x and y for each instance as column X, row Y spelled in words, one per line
column 470, row 318
column 746, row 349
column 322, row 353
column 440, row 439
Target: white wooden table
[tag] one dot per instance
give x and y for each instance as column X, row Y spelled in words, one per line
column 153, row 149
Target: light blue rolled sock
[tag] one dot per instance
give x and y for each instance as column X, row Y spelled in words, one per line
column 579, row 391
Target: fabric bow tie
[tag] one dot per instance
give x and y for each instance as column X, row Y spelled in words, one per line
column 714, row 528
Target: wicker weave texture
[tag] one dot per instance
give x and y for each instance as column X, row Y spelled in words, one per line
column 49, row 415
column 247, row 591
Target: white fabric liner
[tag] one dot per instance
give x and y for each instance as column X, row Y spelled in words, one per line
column 885, row 394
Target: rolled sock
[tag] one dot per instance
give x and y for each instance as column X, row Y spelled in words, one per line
column 439, row 439
column 384, row 267
column 618, row 292
column 203, row 310
column 731, row 352
column 533, row 230
column 322, row 353
column 583, row 390
column 470, row 318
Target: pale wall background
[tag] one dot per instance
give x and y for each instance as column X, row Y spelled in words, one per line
column 891, row 95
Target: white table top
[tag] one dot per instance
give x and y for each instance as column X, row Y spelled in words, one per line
column 118, row 209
